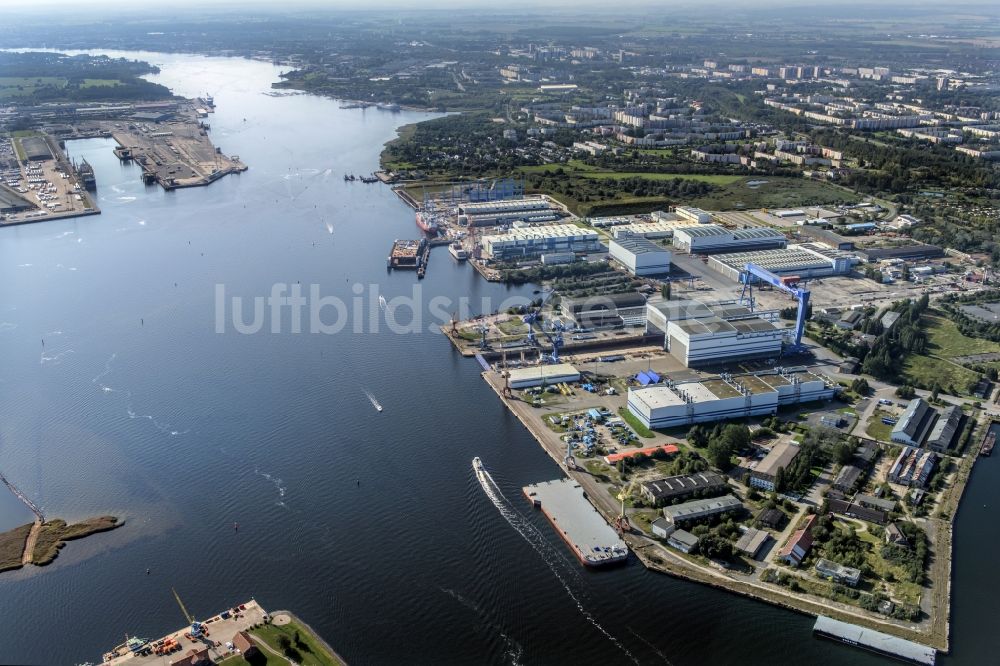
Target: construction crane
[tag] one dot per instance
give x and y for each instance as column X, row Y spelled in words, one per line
column 197, row 628
column 754, row 274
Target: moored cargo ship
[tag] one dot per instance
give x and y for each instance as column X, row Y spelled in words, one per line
column 427, row 222
column 86, row 175
column 458, row 251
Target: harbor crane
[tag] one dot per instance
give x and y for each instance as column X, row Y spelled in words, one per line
column 754, row 274
column 197, row 628
column 621, row 522
column 483, row 329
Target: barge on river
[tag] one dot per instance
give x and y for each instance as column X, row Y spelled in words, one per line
column 592, row 540
column 875, row 641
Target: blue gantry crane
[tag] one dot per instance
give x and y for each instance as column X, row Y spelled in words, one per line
column 754, row 274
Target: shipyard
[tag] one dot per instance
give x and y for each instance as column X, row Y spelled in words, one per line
column 647, row 329
column 701, row 305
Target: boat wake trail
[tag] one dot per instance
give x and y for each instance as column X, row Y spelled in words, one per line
column 537, row 541
column 165, row 428
column 52, row 356
column 514, row 649
column 107, row 371
column 278, row 483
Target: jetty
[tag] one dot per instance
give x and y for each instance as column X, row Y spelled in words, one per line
column 245, row 629
column 24, row 498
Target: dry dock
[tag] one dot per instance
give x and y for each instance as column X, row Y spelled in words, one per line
column 579, row 524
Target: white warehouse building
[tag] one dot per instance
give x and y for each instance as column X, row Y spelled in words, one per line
column 659, row 229
column 543, row 375
column 532, row 241
column 693, row 214
column 640, row 256
column 491, row 213
column 808, row 260
column 727, row 397
column 714, row 238
column 715, row 341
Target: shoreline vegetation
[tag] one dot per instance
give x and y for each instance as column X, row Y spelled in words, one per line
column 51, row 536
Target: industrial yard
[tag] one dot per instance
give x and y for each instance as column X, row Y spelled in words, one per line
column 650, row 327
column 175, row 153
column 38, row 182
column 168, row 140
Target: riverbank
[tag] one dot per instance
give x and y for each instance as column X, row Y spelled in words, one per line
column 933, row 632
column 39, row 543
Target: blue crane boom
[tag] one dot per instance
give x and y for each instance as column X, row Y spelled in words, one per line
column 753, row 273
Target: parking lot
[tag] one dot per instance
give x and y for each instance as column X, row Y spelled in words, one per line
column 49, row 185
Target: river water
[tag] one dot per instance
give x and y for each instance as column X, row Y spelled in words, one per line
column 369, row 525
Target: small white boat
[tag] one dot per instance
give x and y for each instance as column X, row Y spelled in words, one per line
column 375, row 403
column 382, row 303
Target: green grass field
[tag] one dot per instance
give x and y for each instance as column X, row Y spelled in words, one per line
column 945, row 342
column 925, row 370
column 776, row 192
column 307, row 652
column 12, row 87
column 576, row 168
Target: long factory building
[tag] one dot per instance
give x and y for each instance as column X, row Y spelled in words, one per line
column 660, row 229
column 714, row 238
column 713, row 340
column 531, row 241
column 699, row 334
column 808, row 260
column 639, row 255
column 493, row 213
column 726, row 397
